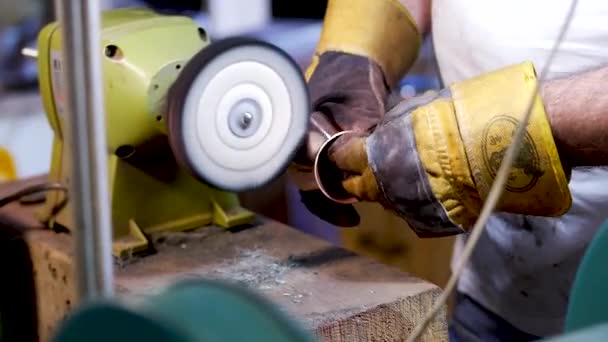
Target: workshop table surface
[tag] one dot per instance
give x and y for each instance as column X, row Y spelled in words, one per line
column 339, row 295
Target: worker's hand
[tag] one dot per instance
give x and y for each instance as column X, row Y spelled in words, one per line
column 365, row 48
column 433, row 159
column 349, row 92
column 349, row 152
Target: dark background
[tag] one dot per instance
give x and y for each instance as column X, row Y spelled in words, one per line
column 309, row 9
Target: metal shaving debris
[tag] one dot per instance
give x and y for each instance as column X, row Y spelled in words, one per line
column 253, row 268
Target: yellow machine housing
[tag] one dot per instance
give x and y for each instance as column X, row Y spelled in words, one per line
column 143, row 52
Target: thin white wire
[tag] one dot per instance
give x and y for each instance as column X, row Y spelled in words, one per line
column 496, row 189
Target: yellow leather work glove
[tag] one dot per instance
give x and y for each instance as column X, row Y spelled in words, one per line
column 364, row 49
column 7, row 166
column 433, row 160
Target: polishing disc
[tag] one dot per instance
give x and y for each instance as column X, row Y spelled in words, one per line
column 237, row 113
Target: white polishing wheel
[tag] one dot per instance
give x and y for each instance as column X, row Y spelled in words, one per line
column 237, row 113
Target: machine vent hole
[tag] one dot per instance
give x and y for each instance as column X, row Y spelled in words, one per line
column 113, row 52
column 178, row 66
column 124, row 151
column 202, row 33
column 159, row 117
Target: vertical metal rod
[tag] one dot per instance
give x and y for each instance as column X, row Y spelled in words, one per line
column 81, row 34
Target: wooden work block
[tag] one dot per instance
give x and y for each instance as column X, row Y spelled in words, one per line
column 338, row 295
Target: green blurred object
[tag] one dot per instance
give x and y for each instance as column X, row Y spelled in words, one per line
column 588, row 303
column 587, row 316
column 590, row 334
column 190, row 311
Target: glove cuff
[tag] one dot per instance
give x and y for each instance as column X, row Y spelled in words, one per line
column 382, row 30
column 489, row 109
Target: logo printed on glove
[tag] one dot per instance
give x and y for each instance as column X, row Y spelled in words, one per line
column 526, row 169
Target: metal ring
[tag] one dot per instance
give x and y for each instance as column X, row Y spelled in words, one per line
column 325, row 183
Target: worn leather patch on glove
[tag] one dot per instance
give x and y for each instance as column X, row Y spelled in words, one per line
column 403, row 181
column 350, row 90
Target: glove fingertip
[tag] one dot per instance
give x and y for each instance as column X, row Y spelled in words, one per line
column 363, row 187
column 353, row 186
column 349, row 153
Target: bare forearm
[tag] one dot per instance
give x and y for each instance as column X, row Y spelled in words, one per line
column 577, row 107
column 421, row 13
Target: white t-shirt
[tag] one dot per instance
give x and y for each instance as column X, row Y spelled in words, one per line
column 522, row 269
